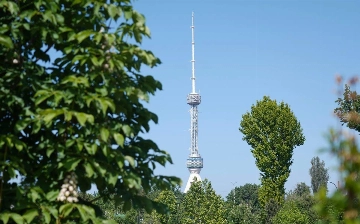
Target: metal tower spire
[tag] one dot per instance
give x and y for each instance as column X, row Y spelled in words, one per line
column 194, row 162
column 192, row 54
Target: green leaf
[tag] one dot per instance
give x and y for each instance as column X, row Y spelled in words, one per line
column 130, row 160
column 112, row 178
column 76, row 2
column 112, row 10
column 36, row 126
column 82, row 118
column 26, row 26
column 91, row 148
column 82, row 213
column 69, row 143
column 83, row 35
column 95, row 61
column 104, row 134
column 47, row 211
column 68, row 115
column 46, row 215
column 49, row 151
column 105, row 103
column 5, row 217
column 4, row 28
column 88, row 169
column 17, row 218
column 41, row 99
column 49, row 114
column 12, row 7
column 89, row 211
column 128, row 14
column 59, row 18
column 9, row 142
column 19, row 145
column 51, row 196
column 80, row 145
column 70, row 163
column 66, row 209
column 57, row 97
column 53, row 211
column 6, row 41
column 30, row 215
column 119, row 139
column 127, row 130
column 120, row 164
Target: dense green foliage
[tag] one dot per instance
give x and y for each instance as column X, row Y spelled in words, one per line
column 319, row 174
column 241, row 213
column 247, row 195
column 272, row 131
column 79, row 111
column 202, row 205
column 290, row 214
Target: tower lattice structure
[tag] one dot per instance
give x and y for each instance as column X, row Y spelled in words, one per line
column 194, row 163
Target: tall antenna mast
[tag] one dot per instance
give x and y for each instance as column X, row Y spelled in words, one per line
column 193, row 54
column 194, row 162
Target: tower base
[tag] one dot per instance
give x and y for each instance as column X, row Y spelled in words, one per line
column 193, row 177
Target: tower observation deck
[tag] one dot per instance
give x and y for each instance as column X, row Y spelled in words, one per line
column 194, row 163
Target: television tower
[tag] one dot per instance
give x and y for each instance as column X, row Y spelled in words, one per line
column 194, row 162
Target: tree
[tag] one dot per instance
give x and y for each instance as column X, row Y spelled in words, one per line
column 243, row 214
column 269, row 211
column 73, row 118
column 300, row 190
column 319, row 174
column 202, row 205
column 303, row 200
column 246, row 194
column 169, row 199
column 290, row 214
column 272, row 131
column 109, row 210
column 349, row 108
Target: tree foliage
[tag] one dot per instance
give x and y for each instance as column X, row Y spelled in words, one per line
column 78, row 111
column 272, row 131
column 349, row 108
column 169, row 199
column 290, row 214
column 304, row 201
column 301, row 190
column 246, row 194
column 202, row 205
column 319, row 174
column 242, row 214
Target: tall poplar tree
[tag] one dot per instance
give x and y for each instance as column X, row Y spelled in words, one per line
column 319, row 174
column 272, row 131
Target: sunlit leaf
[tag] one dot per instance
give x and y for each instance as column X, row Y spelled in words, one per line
column 119, row 138
column 83, row 35
column 6, row 41
column 104, row 134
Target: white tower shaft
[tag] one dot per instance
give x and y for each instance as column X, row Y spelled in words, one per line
column 194, row 151
column 194, row 162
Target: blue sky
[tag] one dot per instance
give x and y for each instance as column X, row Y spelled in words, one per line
column 289, row 50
